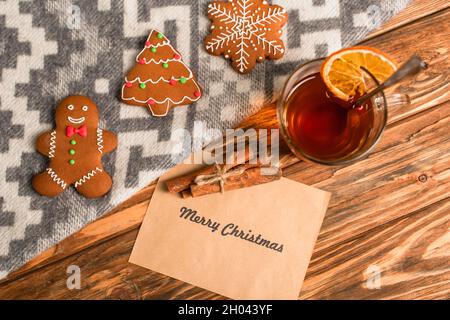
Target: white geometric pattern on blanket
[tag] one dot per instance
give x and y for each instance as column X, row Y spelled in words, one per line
column 308, row 11
column 77, row 61
column 39, row 49
column 330, row 38
column 182, row 15
column 151, row 148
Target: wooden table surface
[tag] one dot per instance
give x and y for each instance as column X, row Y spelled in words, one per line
column 391, row 210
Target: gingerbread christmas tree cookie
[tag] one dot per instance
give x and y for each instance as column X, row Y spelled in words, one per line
column 160, row 80
column 246, row 32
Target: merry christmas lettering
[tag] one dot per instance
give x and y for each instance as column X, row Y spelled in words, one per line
column 229, row 229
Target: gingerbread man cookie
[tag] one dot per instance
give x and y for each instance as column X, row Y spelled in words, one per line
column 75, row 149
column 246, row 31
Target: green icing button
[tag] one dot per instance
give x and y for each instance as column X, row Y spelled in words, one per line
column 153, row 49
column 73, row 142
column 165, row 65
column 72, row 162
column 142, row 85
column 72, row 152
column 160, row 35
column 183, row 80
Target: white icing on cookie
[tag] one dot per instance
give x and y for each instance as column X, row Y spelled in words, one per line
column 87, row 177
column 246, row 22
column 100, row 140
column 76, row 120
column 56, row 179
column 167, row 100
column 51, row 152
column 185, row 99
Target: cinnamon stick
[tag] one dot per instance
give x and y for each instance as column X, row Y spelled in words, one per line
column 251, row 177
column 179, row 184
column 186, row 193
column 183, row 183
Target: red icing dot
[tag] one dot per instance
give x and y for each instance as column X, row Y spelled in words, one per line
column 141, row 61
column 197, row 94
column 176, row 56
column 151, row 101
column 172, row 82
column 128, row 84
column 147, row 43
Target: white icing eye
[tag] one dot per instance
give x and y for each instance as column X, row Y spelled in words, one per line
column 85, row 108
column 70, row 107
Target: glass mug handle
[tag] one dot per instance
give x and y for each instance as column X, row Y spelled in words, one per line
column 398, row 100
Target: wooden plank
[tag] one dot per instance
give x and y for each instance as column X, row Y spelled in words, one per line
column 411, row 254
column 111, row 226
column 102, row 230
column 366, row 198
column 408, row 170
column 105, row 274
column 406, row 251
column 430, row 38
column 417, row 9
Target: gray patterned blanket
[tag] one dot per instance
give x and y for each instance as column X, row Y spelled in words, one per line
column 53, row 48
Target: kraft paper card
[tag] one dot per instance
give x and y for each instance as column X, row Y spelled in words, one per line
column 252, row 243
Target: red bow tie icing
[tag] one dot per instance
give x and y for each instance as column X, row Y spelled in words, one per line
column 81, row 131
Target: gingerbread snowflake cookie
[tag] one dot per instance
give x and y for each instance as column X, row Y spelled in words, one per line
column 246, row 31
column 75, row 149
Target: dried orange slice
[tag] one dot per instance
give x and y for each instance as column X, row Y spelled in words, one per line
column 343, row 75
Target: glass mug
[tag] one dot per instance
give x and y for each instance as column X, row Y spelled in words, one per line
column 320, row 130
